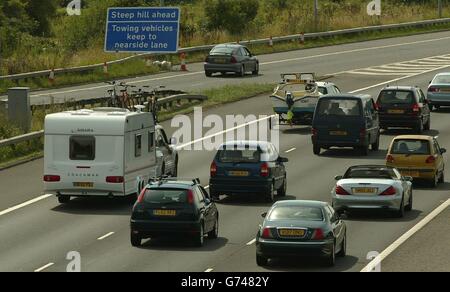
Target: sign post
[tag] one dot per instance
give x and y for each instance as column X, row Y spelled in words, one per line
column 142, row 30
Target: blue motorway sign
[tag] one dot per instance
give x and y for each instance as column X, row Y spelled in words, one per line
column 142, row 30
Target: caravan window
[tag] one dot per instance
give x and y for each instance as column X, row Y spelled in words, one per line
column 82, row 148
column 138, row 146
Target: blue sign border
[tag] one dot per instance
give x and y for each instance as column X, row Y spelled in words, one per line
column 156, row 21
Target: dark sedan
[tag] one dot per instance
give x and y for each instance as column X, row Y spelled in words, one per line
column 231, row 58
column 301, row 229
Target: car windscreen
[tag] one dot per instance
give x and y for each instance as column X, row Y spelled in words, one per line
column 396, row 97
column 239, row 156
column 443, row 79
column 339, row 107
column 301, row 213
column 222, row 51
column 370, row 173
column 166, row 196
column 411, row 147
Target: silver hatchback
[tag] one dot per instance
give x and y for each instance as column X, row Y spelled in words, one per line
column 231, row 58
column 439, row 91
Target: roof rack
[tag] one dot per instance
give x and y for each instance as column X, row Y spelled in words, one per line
column 163, row 179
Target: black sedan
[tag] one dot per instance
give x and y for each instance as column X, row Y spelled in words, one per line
column 301, row 229
column 231, row 58
column 174, row 208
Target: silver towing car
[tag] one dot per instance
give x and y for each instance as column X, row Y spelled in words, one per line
column 373, row 187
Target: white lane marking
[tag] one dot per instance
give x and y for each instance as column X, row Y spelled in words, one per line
column 398, row 79
column 209, row 270
column 251, row 242
column 24, row 204
column 405, row 237
column 262, row 64
column 291, row 150
column 44, row 267
column 378, row 74
column 105, row 236
column 232, row 129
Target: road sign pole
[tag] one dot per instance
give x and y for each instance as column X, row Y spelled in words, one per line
column 440, row 8
column 316, row 14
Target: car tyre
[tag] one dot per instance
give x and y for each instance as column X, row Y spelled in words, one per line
column 175, row 168
column 261, row 261
column 214, row 234
column 136, row 240
column 256, row 72
column 199, row 240
column 442, row 178
column 283, row 189
column 316, row 149
column 410, row 203
column 63, row 199
column 242, row 72
column 343, row 252
column 427, row 126
column 208, row 73
column 270, row 196
column 376, row 145
column 419, row 128
column 331, row 261
column 401, row 211
column 434, row 181
column 364, row 150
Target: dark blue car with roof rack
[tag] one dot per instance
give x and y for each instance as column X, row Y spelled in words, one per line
column 248, row 167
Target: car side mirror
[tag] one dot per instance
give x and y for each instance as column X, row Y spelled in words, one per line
column 208, row 201
column 443, row 151
column 173, row 141
column 264, row 215
column 409, row 178
column 159, row 154
column 283, row 160
column 338, row 177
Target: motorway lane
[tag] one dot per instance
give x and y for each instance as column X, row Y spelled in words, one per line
column 324, row 60
column 45, row 232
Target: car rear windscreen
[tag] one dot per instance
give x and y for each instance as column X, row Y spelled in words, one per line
column 442, row 80
column 239, row 156
column 411, row 147
column 396, row 97
column 82, row 148
column 339, row 107
column 166, row 196
column 301, row 213
column 370, row 173
column 222, row 51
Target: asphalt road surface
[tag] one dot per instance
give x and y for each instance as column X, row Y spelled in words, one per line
column 40, row 234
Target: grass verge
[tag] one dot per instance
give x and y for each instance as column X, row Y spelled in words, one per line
column 139, row 67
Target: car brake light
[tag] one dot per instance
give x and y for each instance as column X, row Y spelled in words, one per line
column 433, row 89
column 141, row 196
column 389, row 192
column 213, row 170
column 416, row 108
column 265, row 169
column 341, row 191
column 314, row 132
column 190, row 197
column 378, row 106
column 233, row 60
column 318, row 234
column 52, row 178
column 207, row 59
column 431, row 160
column 115, row 179
column 390, row 159
column 267, row 233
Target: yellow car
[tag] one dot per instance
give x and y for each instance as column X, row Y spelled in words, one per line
column 420, row 157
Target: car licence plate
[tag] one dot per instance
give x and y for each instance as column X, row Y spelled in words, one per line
column 396, row 111
column 238, row 173
column 338, row 133
column 169, row 213
column 292, row 232
column 411, row 173
column 221, row 61
column 88, row 185
column 369, row 191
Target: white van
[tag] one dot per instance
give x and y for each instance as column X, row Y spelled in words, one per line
column 101, row 152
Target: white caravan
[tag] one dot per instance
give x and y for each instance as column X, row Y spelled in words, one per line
column 101, row 152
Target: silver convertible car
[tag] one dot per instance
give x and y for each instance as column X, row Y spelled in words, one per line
column 373, row 187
